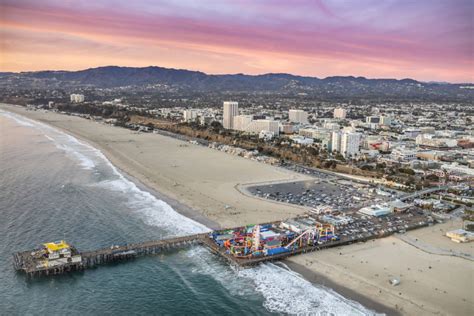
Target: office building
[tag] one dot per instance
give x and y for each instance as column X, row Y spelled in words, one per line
column 298, row 116
column 336, row 141
column 241, row 122
column 77, row 98
column 189, row 115
column 350, row 144
column 231, row 109
column 340, row 113
column 256, row 126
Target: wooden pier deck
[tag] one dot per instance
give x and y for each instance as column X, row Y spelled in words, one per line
column 25, row 261
column 111, row 254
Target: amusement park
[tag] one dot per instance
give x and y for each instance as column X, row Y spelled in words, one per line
column 253, row 241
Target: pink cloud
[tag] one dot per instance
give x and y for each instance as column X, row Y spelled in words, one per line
column 428, row 40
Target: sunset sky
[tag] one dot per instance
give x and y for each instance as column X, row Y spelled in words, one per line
column 420, row 39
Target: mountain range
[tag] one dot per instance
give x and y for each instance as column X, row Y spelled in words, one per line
column 195, row 81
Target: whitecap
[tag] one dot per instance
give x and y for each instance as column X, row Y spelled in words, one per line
column 287, row 292
column 283, row 291
column 155, row 212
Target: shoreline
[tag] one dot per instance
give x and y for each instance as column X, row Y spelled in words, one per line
column 179, row 207
column 320, row 279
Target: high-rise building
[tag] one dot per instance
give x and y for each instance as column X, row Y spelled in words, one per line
column 77, row 98
column 298, row 116
column 189, row 115
column 231, row 109
column 350, row 144
column 346, row 143
column 241, row 122
column 336, row 141
column 340, row 113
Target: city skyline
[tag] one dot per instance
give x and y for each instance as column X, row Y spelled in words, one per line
column 427, row 41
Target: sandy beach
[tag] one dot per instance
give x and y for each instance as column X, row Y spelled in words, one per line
column 204, row 179
column 431, row 283
column 210, row 187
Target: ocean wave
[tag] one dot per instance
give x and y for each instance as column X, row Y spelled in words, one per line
column 155, row 212
column 284, row 291
column 17, row 119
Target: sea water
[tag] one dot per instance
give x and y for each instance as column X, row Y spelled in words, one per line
column 53, row 186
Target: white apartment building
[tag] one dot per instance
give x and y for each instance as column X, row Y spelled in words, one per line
column 336, row 141
column 346, row 143
column 189, row 115
column 350, row 144
column 315, row 133
column 231, row 109
column 77, row 98
column 340, row 113
column 256, row 126
column 241, row 122
column 298, row 116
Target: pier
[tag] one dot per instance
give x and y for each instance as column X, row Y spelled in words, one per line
column 25, row 261
column 60, row 257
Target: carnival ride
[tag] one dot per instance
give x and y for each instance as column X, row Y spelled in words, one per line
column 272, row 239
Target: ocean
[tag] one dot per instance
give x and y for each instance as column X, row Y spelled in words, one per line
column 53, row 186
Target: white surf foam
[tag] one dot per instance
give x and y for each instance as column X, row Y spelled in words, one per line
column 284, row 291
column 288, row 292
column 17, row 119
column 155, row 212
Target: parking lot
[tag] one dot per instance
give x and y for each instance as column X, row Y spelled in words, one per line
column 342, row 195
column 363, row 226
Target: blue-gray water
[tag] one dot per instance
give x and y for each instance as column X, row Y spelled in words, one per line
column 54, row 187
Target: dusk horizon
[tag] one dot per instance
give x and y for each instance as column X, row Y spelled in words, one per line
column 425, row 41
column 241, row 73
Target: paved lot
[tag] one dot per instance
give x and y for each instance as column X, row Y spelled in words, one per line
column 342, row 195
